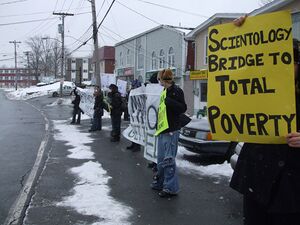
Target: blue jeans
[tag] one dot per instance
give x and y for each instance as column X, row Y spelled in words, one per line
column 97, row 122
column 167, row 178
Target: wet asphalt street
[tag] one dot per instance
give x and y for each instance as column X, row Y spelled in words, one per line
column 202, row 200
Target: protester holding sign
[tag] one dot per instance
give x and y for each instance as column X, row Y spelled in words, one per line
column 173, row 104
column 268, row 175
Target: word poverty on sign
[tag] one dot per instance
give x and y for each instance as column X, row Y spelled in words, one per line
column 251, row 92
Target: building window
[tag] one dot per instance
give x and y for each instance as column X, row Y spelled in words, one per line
column 171, row 57
column 140, row 58
column 84, row 61
column 128, row 61
column 205, row 50
column 203, row 89
column 85, row 71
column 154, row 61
column 161, row 59
column 73, row 61
column 121, row 59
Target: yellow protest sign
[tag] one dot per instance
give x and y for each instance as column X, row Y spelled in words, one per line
column 251, row 89
column 162, row 120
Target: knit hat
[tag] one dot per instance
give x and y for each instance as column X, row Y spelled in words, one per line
column 113, row 87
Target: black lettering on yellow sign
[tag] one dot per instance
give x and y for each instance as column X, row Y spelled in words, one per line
column 249, row 123
column 248, row 39
column 248, row 86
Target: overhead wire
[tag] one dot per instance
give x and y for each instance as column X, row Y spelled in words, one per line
column 7, row 3
column 27, row 21
column 148, row 54
column 175, row 9
column 138, row 12
column 97, row 28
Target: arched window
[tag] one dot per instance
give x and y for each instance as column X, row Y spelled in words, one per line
column 154, row 61
column 140, row 62
column 171, row 58
column 128, row 61
column 161, row 59
column 121, row 59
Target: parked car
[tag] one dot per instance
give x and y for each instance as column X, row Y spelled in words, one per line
column 66, row 90
column 236, row 154
column 196, row 137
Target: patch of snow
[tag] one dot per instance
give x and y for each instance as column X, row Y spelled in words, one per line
column 34, row 91
column 91, row 193
column 215, row 170
column 61, row 101
column 91, row 196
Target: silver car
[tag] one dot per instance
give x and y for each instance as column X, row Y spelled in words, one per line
column 196, row 137
column 66, row 90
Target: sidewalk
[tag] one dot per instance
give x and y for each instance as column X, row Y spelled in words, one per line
column 89, row 180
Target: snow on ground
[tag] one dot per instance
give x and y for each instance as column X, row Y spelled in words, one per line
column 90, row 196
column 34, row 91
column 214, row 170
column 61, row 101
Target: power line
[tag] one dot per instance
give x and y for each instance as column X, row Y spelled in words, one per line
column 27, row 21
column 6, row 3
column 171, row 8
column 37, row 13
column 147, row 53
column 138, row 13
column 97, row 28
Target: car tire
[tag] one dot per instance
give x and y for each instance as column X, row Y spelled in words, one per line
column 55, row 94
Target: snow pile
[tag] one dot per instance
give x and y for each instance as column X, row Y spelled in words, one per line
column 214, row 170
column 90, row 196
column 34, row 91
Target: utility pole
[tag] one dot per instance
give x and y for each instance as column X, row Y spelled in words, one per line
column 28, row 67
column 16, row 64
column 62, row 32
column 95, row 37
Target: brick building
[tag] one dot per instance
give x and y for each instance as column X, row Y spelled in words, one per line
column 23, row 77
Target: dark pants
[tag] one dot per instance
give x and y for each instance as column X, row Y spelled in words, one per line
column 257, row 214
column 97, row 122
column 116, row 126
column 78, row 113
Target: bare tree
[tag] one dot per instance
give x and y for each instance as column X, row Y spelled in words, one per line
column 45, row 57
column 35, row 57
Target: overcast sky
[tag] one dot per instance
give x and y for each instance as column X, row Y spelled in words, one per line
column 125, row 19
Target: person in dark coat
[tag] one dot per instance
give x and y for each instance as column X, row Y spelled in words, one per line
column 98, row 111
column 76, row 109
column 115, row 102
column 268, row 175
column 134, row 147
column 166, row 179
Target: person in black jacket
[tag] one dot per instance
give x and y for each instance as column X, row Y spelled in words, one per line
column 268, row 175
column 76, row 108
column 166, row 179
column 98, row 110
column 115, row 101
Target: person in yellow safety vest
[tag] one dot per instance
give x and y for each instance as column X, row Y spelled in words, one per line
column 172, row 100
